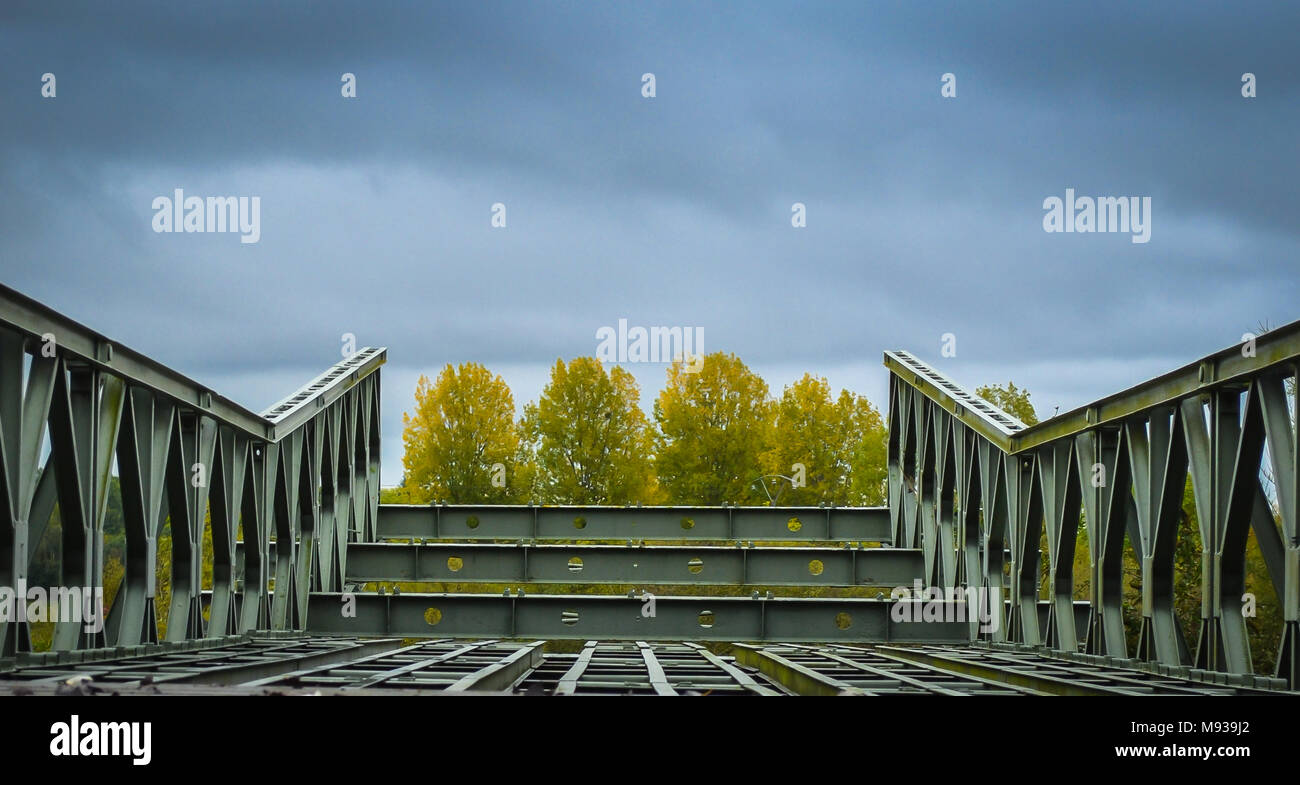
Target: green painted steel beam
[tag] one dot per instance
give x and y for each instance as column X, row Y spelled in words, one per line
column 35, row 320
column 566, row 522
column 342, row 664
column 71, row 338
column 983, row 417
column 1036, row 669
column 242, row 672
column 747, row 682
column 503, row 673
column 307, row 402
column 655, row 564
column 582, row 617
column 568, row 684
column 1047, row 683
column 230, row 661
column 654, row 671
column 796, row 677
column 384, row 675
column 874, row 663
column 1277, row 348
column 314, row 669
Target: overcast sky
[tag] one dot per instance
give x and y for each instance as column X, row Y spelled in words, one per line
column 924, row 213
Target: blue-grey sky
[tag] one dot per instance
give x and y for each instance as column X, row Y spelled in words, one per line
column 924, row 213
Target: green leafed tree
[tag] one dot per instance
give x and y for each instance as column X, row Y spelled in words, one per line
column 462, row 441
column 588, row 440
column 869, row 459
column 831, row 449
column 1010, row 399
column 714, row 424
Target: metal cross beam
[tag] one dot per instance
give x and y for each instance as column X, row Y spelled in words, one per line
column 566, row 522
column 567, row 617
column 232, row 662
column 655, row 564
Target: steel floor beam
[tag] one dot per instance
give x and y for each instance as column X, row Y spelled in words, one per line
column 1034, row 670
column 342, row 665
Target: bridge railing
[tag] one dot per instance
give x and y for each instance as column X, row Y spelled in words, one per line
column 975, row 489
column 300, row 480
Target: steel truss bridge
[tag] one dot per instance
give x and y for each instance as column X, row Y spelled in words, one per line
column 308, row 568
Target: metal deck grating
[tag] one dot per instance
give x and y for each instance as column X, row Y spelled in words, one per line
column 342, row 665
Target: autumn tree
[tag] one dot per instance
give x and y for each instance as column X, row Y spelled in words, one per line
column 832, row 450
column 714, row 425
column 869, row 459
column 462, row 441
column 402, row 494
column 1010, row 399
column 590, row 441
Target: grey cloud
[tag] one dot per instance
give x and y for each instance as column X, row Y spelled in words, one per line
column 924, row 214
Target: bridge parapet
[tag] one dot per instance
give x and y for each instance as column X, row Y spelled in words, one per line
column 975, row 490
column 301, row 480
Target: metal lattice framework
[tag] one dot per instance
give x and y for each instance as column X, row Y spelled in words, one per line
column 974, row 488
column 300, row 480
column 281, row 663
column 297, row 531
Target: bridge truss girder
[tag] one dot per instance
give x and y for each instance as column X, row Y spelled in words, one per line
column 302, row 479
column 973, row 489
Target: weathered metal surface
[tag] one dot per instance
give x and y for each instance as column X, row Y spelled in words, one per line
column 972, row 490
column 566, row 617
column 289, row 664
column 593, row 523
column 1042, row 673
column 240, row 661
column 307, row 472
column 654, row 564
column 976, row 495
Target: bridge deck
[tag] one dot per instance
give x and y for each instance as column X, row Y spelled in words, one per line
column 304, row 664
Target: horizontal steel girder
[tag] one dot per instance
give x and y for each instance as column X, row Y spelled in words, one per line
column 1231, row 365
column 656, row 564
column 73, row 405
column 520, row 522
column 979, row 493
column 34, row 320
column 561, row 617
column 229, row 662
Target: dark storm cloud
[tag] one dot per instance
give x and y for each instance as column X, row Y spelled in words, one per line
column 924, row 214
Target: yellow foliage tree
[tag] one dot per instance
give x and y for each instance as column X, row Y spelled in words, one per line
column 1010, row 399
column 714, row 425
column 590, row 441
column 833, row 450
column 868, row 461
column 462, row 442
